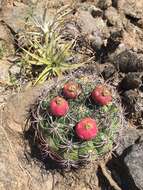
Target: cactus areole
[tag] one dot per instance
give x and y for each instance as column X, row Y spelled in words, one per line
column 59, row 106
column 86, row 129
column 71, row 90
column 101, row 95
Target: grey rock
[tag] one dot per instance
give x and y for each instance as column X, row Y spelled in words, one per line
column 16, row 16
column 95, row 29
column 104, row 4
column 128, row 61
column 131, row 81
column 4, row 71
column 133, row 101
column 128, row 137
column 114, row 41
column 114, row 18
column 96, row 12
column 130, row 98
column 88, row 24
column 96, row 42
column 0, row 4
column 134, row 162
column 14, row 69
column 6, row 41
column 108, row 71
column 132, row 8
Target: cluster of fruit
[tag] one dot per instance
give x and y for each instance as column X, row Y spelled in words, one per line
column 86, row 128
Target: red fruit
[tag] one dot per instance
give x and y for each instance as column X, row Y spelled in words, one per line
column 71, row 90
column 59, row 106
column 86, row 129
column 101, row 95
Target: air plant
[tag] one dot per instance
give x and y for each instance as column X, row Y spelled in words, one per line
column 47, row 50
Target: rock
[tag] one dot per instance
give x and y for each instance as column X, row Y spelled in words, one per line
column 114, row 18
column 16, row 16
column 128, row 61
column 130, row 98
column 133, row 101
column 108, row 71
column 132, row 8
column 96, row 12
column 128, row 137
column 4, row 72
column 1, row 4
column 6, row 41
column 131, row 81
column 114, row 40
column 134, row 162
column 94, row 29
column 15, row 70
column 140, row 23
column 18, row 105
column 131, row 40
column 88, row 24
column 104, row 4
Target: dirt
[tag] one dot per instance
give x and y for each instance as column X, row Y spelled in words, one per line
column 112, row 33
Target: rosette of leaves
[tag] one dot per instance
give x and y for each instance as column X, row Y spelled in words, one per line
column 44, row 53
column 56, row 136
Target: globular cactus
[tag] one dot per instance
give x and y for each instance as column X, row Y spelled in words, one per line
column 85, row 133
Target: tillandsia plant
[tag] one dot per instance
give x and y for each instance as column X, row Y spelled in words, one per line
column 47, row 55
column 77, row 130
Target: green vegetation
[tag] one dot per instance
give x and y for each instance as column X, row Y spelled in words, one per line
column 46, row 54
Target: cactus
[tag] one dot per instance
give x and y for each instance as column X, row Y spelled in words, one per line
column 57, row 137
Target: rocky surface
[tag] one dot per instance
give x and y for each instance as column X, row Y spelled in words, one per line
column 131, row 81
column 113, row 32
column 6, row 41
column 134, row 163
column 133, row 100
column 15, row 16
column 4, row 71
column 129, row 61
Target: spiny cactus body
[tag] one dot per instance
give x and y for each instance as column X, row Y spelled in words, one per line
column 86, row 132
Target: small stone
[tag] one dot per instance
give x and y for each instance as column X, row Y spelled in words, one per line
column 108, row 71
column 114, row 18
column 14, row 70
column 131, row 81
column 96, row 12
column 104, row 4
column 90, row 25
column 131, row 7
column 127, row 138
column 128, row 61
column 6, row 41
column 133, row 101
column 4, row 71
